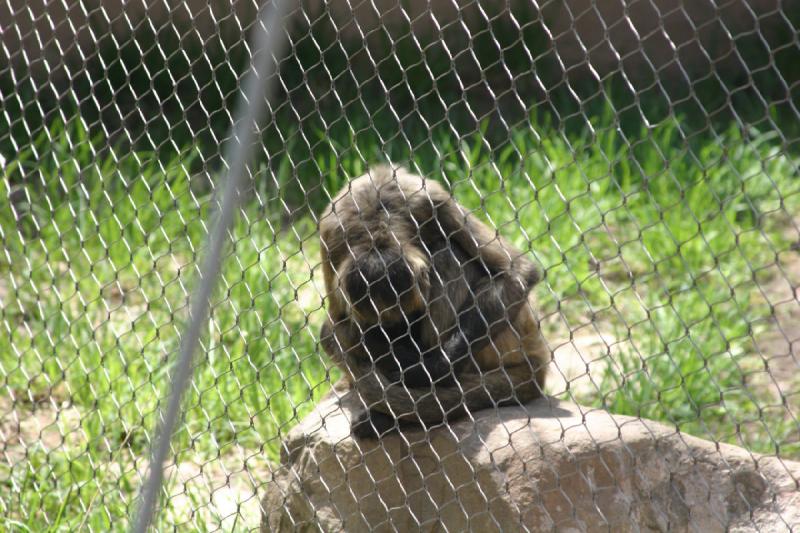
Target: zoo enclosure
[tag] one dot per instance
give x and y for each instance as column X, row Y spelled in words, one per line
column 645, row 153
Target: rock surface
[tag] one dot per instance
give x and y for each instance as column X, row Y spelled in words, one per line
column 546, row 466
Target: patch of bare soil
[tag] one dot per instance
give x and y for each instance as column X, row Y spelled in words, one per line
column 222, row 491
column 579, row 362
column 45, row 426
column 779, row 341
column 587, row 347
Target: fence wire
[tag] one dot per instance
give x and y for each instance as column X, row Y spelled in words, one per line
column 641, row 157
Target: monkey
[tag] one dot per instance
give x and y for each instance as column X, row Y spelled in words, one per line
column 429, row 312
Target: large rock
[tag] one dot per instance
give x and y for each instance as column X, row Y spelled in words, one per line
column 546, row 466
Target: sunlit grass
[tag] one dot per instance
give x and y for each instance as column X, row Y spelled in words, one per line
column 656, row 238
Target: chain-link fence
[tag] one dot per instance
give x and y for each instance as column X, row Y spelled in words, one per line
column 643, row 155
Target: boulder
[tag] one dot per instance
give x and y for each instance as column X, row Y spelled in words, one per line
column 546, row 466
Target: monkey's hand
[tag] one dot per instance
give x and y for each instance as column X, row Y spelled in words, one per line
column 398, row 356
column 334, row 339
column 372, row 424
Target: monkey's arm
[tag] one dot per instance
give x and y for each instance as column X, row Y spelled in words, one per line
column 395, row 354
column 492, row 304
column 433, row 405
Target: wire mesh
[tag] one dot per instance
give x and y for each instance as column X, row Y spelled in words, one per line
column 643, row 154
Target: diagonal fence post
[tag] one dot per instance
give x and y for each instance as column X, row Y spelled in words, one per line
column 268, row 40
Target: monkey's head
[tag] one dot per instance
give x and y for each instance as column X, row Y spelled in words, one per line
column 376, row 282
column 375, row 268
column 385, row 285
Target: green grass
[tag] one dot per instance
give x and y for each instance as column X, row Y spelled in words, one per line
column 660, row 237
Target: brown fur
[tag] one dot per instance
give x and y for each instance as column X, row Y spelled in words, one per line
column 459, row 265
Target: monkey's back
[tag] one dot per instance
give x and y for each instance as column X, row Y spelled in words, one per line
column 453, row 277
